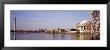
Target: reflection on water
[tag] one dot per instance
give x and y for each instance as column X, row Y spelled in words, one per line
column 46, row 36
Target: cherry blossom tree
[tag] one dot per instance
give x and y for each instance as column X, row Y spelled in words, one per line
column 95, row 23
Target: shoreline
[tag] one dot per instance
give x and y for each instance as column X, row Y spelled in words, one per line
column 52, row 33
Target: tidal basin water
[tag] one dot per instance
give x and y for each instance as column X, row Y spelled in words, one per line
column 47, row 36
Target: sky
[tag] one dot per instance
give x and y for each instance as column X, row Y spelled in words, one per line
column 50, row 19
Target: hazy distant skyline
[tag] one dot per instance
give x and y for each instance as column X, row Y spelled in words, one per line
column 50, row 19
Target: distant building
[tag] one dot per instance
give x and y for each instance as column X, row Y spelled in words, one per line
column 83, row 26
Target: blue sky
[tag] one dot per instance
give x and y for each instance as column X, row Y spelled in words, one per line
column 50, row 19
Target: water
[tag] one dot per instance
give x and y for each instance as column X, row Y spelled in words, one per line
column 47, row 36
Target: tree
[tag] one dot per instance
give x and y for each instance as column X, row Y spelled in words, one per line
column 95, row 22
column 73, row 29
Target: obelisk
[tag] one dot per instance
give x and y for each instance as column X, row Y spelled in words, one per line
column 14, row 23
